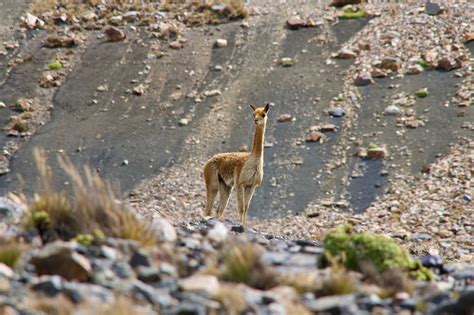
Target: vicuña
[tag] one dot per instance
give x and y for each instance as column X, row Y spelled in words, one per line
column 244, row 170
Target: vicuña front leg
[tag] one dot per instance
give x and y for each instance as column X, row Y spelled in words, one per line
column 212, row 187
column 224, row 194
column 248, row 194
column 241, row 202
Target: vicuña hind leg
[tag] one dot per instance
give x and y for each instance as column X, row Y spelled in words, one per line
column 248, row 194
column 224, row 194
column 212, row 188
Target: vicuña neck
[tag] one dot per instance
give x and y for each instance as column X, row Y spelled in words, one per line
column 257, row 149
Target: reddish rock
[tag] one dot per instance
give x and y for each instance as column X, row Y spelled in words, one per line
column 295, row 22
column 390, row 63
column 284, row 117
column 115, row 34
column 363, row 79
column 363, row 45
column 176, row 44
column 378, row 73
column 468, row 37
column 448, row 64
column 346, row 53
column 315, row 136
column 377, row 153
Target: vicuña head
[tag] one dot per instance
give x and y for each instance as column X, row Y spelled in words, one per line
column 244, row 170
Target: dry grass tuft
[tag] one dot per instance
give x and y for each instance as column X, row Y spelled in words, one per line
column 339, row 280
column 231, row 298
column 301, row 282
column 242, row 263
column 391, row 281
column 11, row 251
column 93, row 208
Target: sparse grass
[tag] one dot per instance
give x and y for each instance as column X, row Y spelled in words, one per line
column 424, row 63
column 93, row 208
column 18, row 124
column 352, row 14
column 301, row 282
column 231, row 299
column 390, row 281
column 10, row 252
column 242, row 263
column 55, row 65
column 52, row 306
column 340, row 280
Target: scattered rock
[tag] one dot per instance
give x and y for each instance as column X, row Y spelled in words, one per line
column 284, row 118
column 287, row 62
column 414, row 69
column 139, row 89
column 378, row 73
column 220, row 43
column 448, row 64
column 212, row 93
column 55, row 41
column 115, row 34
column 336, row 111
column 432, row 8
column 392, row 110
column 295, row 22
column 176, row 44
column 164, row 230
column 363, row 79
column 200, row 283
column 184, row 122
column 377, row 152
column 390, row 63
column 346, row 53
column 315, row 136
column 218, row 233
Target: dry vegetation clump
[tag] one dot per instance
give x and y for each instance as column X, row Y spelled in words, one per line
column 242, row 263
column 339, row 280
column 11, row 251
column 94, row 208
column 231, row 299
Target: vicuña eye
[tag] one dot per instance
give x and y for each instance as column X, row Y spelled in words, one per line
column 263, row 115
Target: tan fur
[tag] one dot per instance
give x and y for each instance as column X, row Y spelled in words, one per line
column 244, row 170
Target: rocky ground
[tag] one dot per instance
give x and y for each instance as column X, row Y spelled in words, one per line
column 372, row 127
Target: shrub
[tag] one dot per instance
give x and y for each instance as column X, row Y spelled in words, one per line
column 94, row 209
column 365, row 248
column 242, row 263
column 55, row 65
column 352, row 14
column 10, row 252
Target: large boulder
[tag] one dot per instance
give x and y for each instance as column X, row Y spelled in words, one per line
column 60, row 259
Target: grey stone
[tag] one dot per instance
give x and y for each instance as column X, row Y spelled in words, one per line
column 58, row 258
column 49, row 285
column 432, row 8
column 140, row 258
column 336, row 111
column 10, row 209
column 81, row 292
column 148, row 274
column 421, row 236
column 122, row 270
column 340, row 304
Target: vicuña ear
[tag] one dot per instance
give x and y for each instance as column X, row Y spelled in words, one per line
column 252, row 107
column 267, row 106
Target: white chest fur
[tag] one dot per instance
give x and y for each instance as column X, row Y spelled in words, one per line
column 252, row 172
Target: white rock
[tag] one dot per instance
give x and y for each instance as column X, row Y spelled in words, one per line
column 6, row 271
column 218, row 233
column 200, row 283
column 212, row 93
column 165, row 230
column 183, row 122
column 2, row 105
column 392, row 110
column 221, row 43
